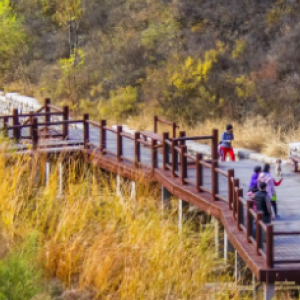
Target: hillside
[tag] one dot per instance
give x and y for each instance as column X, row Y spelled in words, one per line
column 189, row 60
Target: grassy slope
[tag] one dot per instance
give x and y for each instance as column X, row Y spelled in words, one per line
column 90, row 240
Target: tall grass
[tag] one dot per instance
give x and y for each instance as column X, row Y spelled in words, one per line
column 90, row 239
column 255, row 133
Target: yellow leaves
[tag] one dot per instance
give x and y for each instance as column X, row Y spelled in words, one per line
column 198, row 27
column 65, row 11
column 96, row 89
column 280, row 9
column 240, row 46
column 122, row 101
column 188, row 62
column 192, row 72
column 245, row 87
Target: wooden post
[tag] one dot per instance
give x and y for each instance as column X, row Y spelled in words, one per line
column 259, row 217
column 183, row 163
column 199, row 172
column 47, row 109
column 249, row 220
column 240, row 208
column 270, row 245
column 214, row 146
column 182, row 134
column 155, row 124
column 16, row 131
column 137, row 149
column 102, row 136
column 165, row 150
column 236, row 183
column 30, row 119
column 65, row 127
column 119, row 142
column 35, row 136
column 230, row 175
column 214, row 180
column 86, row 133
column 154, row 154
column 174, row 130
column 174, row 158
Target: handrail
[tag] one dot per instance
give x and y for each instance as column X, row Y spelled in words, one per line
column 190, row 157
column 55, row 108
column 222, row 172
column 110, row 129
column 162, row 121
column 277, row 233
column 60, row 123
column 93, row 123
column 6, row 117
column 127, row 135
column 194, row 138
column 41, row 114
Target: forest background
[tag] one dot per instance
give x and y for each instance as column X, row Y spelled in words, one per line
column 194, row 61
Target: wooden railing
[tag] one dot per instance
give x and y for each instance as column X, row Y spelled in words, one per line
column 175, row 159
column 173, row 125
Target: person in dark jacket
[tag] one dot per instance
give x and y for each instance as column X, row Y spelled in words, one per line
column 263, row 203
column 225, row 145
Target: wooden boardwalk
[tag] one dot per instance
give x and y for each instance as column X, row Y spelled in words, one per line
column 217, row 188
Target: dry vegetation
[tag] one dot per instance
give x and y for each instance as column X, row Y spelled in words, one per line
column 254, row 133
column 94, row 244
column 189, row 60
column 197, row 62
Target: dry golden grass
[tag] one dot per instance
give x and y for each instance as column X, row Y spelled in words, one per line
column 255, row 133
column 91, row 239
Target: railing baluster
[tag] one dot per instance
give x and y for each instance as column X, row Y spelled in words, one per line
column 174, row 127
column 240, row 208
column 182, row 134
column 214, row 146
column 137, row 149
column 270, row 245
column 199, row 172
column 249, row 220
column 230, row 192
column 259, row 217
column 165, row 150
column 86, row 129
column 65, row 127
column 119, row 143
column 16, row 131
column 47, row 102
column 102, row 136
column 183, row 164
column 35, row 136
column 214, row 180
column 30, row 120
column 174, row 158
column 154, row 154
column 235, row 184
